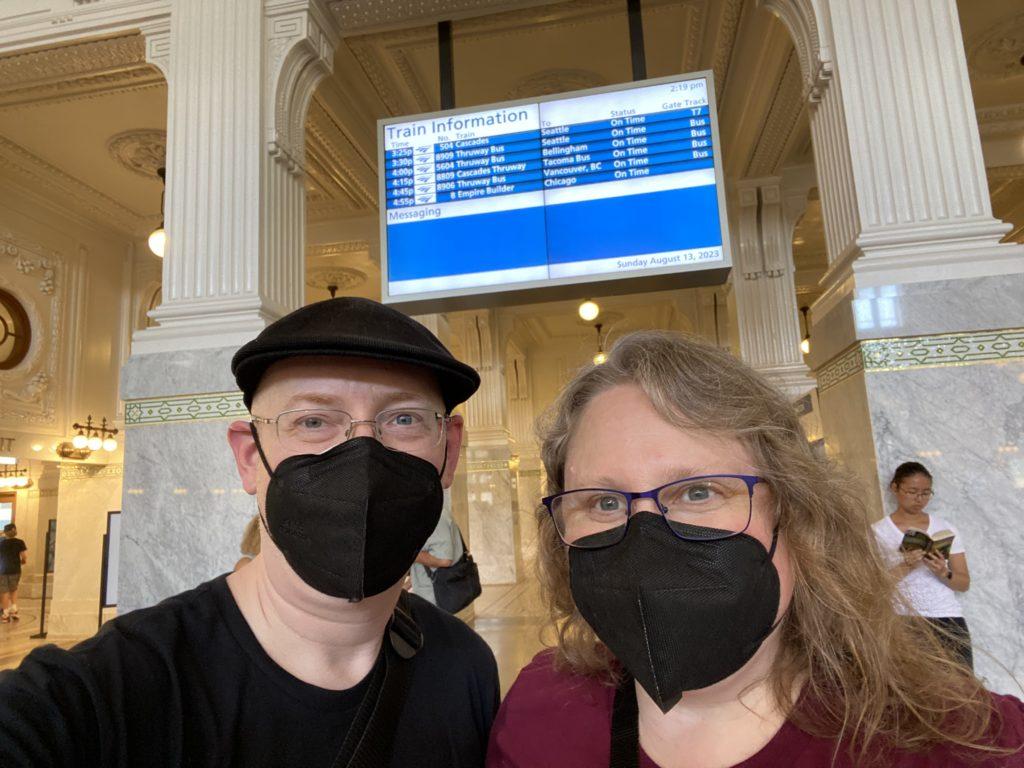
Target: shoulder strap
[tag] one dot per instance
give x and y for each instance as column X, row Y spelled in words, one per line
column 371, row 736
column 625, row 727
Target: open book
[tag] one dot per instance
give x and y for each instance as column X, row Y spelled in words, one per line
column 941, row 541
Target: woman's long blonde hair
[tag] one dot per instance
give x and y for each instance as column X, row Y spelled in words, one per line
column 876, row 680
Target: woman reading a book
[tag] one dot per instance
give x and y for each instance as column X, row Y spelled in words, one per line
column 717, row 594
column 926, row 556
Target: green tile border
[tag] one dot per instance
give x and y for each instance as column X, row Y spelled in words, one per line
column 914, row 352
column 188, row 408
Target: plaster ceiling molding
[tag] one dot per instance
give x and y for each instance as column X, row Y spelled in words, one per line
column 1004, row 173
column 728, row 28
column 332, row 250
column 360, row 17
column 780, row 123
column 141, row 151
column 342, row 182
column 77, row 70
column 554, row 81
column 345, row 279
column 82, row 198
column 1005, row 120
column 35, row 275
column 385, row 56
column 995, row 54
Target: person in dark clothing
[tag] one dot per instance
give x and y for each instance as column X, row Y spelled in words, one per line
column 12, row 557
column 310, row 655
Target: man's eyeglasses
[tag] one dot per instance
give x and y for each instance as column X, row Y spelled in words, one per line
column 703, row 508
column 315, row 430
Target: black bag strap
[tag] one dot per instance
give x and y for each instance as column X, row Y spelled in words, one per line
column 625, row 752
column 371, row 736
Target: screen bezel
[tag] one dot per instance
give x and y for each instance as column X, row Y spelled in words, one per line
column 559, row 288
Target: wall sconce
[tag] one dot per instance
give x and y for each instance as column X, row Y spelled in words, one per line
column 14, row 477
column 600, row 358
column 92, row 437
column 805, row 344
column 67, row 450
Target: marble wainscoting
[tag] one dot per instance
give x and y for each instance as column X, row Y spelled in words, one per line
column 966, row 424
column 493, row 520
column 184, row 507
column 87, row 492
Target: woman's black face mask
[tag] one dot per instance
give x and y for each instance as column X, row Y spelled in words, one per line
column 350, row 521
column 679, row 615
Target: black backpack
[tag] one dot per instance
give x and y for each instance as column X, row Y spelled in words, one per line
column 458, row 585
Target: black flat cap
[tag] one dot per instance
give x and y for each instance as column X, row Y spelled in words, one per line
column 350, row 326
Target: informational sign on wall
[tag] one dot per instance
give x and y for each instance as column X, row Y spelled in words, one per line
column 111, row 560
column 529, row 198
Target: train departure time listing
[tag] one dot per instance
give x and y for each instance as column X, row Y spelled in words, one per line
column 609, row 182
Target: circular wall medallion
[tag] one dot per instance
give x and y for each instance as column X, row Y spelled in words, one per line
column 140, row 151
column 996, row 53
column 15, row 331
column 342, row 278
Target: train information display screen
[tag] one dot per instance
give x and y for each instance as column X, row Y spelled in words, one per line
column 527, row 198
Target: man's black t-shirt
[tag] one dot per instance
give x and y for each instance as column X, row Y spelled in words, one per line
column 185, row 683
column 10, row 556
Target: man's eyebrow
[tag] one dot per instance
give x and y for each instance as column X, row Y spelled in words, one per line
column 313, row 398
column 332, row 401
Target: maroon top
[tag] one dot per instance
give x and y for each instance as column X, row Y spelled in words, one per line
column 559, row 720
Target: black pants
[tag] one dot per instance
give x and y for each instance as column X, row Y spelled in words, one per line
column 956, row 638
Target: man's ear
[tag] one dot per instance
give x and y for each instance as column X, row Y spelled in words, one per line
column 454, row 445
column 247, row 458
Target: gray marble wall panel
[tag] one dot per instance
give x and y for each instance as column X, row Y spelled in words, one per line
column 183, row 509
column 966, row 424
column 917, row 309
column 185, row 372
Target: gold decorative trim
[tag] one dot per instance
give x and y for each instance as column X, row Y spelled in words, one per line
column 90, row 471
column 487, row 466
column 190, row 408
column 916, row 352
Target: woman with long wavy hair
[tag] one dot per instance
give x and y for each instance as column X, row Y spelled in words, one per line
column 718, row 596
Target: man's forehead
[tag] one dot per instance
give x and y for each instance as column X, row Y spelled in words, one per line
column 322, row 379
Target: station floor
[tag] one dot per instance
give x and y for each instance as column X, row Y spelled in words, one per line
column 508, row 617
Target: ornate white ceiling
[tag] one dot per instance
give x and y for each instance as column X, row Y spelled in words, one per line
column 83, row 120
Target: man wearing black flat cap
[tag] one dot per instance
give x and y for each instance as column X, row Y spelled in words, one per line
column 311, row 655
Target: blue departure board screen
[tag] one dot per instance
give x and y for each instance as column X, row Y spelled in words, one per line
column 589, row 187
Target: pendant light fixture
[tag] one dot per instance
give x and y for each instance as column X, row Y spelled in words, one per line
column 158, row 237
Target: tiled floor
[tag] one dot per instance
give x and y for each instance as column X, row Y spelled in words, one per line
column 16, row 640
column 508, row 617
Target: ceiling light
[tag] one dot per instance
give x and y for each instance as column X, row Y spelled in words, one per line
column 589, row 310
column 37, row 447
column 158, row 237
column 158, row 241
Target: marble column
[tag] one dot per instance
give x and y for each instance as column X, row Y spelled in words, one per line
column 493, row 522
column 918, row 342
column 87, row 492
column 769, row 324
column 240, row 74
